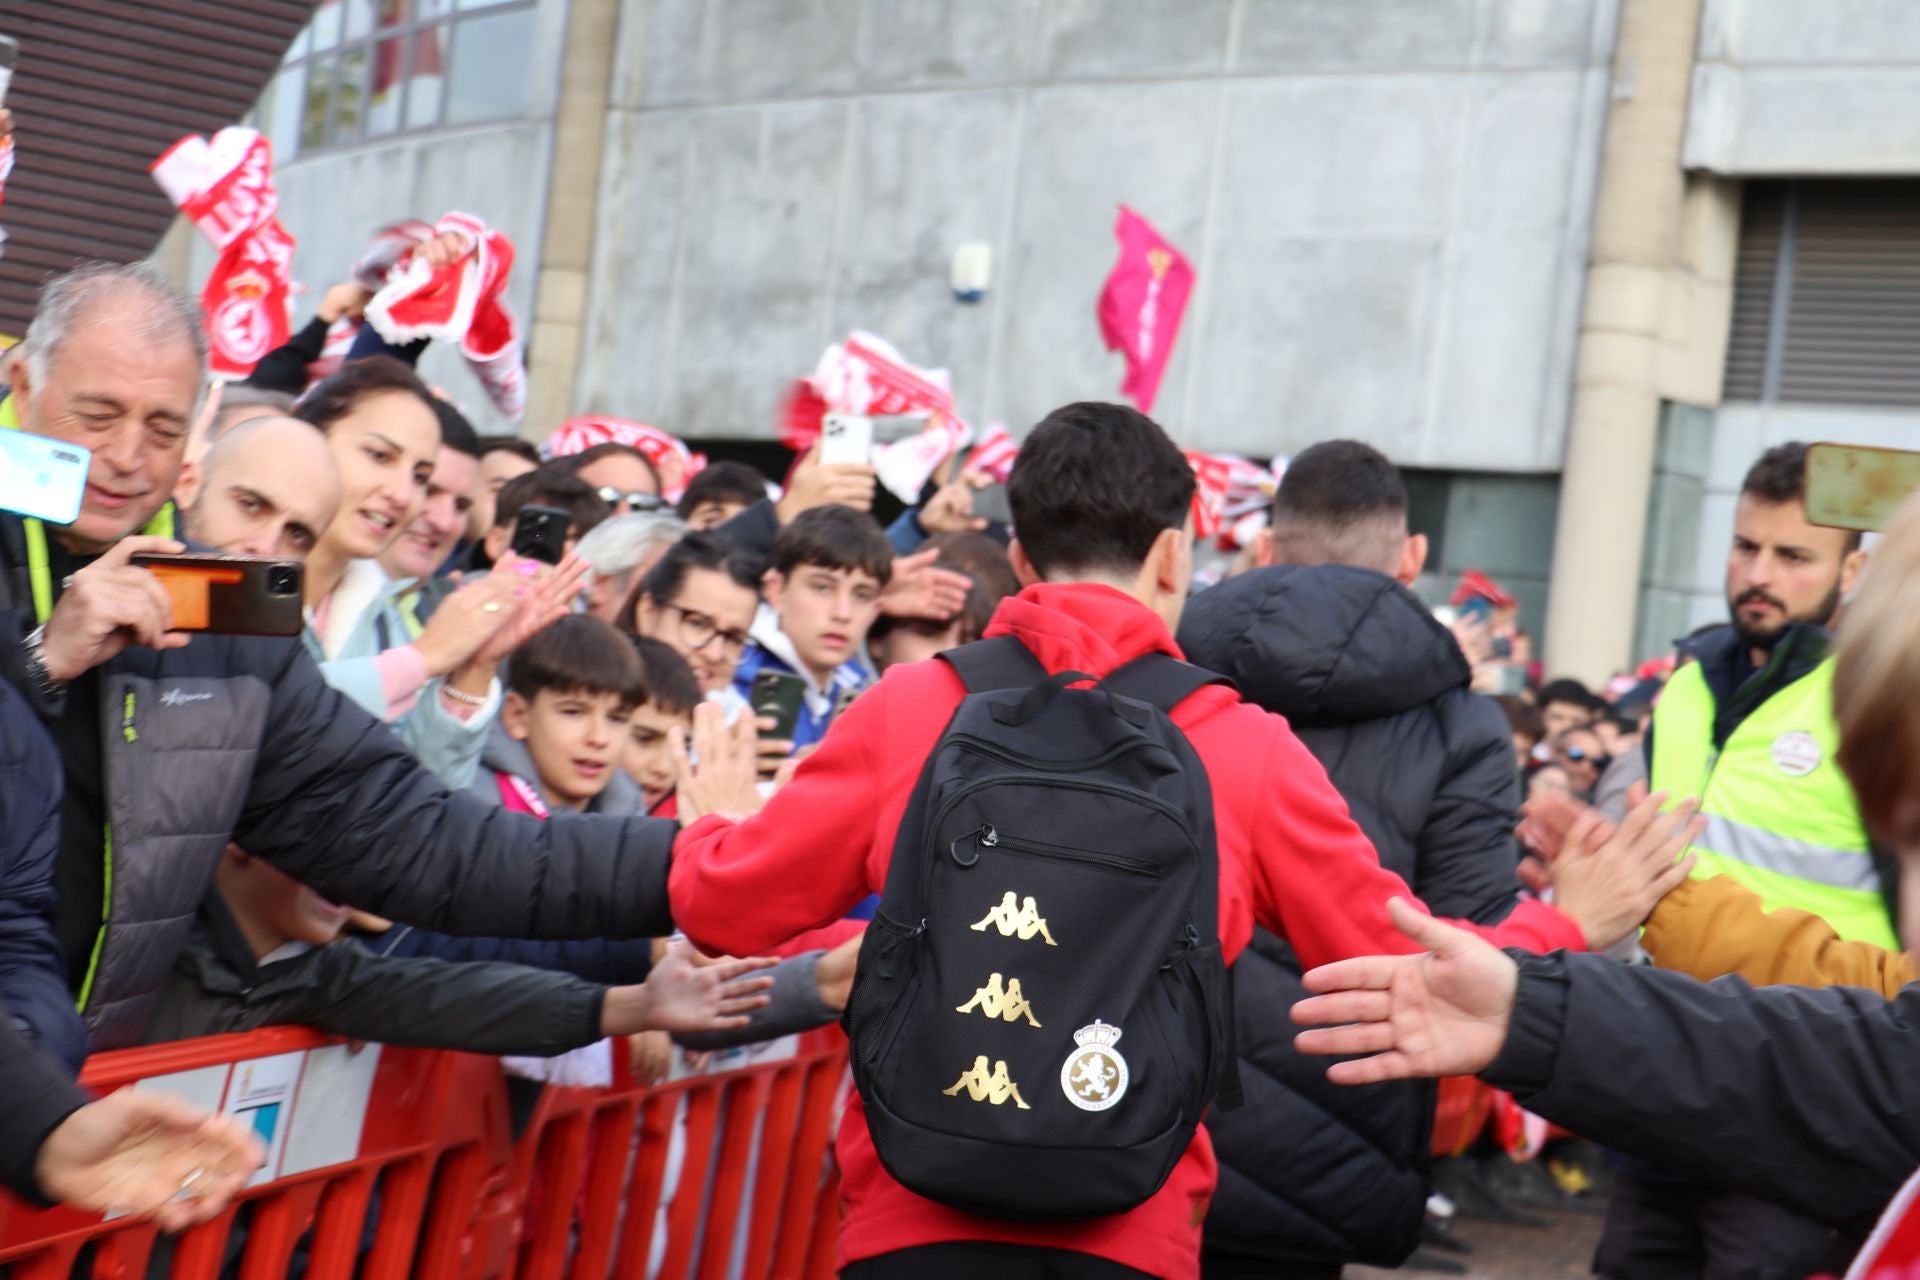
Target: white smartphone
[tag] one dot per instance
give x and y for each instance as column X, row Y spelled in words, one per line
column 846, row 437
column 42, row 478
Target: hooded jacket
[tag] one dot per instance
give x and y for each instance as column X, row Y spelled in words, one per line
column 503, row 753
column 1377, row 690
column 1289, row 857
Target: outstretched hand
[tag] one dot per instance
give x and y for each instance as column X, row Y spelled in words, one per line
column 686, row 994
column 1609, row 879
column 724, row 780
column 137, row 1152
column 918, row 590
column 1443, row 1012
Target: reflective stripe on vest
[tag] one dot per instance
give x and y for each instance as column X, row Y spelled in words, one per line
column 1781, row 816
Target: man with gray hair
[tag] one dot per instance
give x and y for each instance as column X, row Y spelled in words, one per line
column 1327, row 634
column 173, row 744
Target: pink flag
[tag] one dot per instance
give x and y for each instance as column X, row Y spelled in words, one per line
column 1141, row 305
column 225, row 188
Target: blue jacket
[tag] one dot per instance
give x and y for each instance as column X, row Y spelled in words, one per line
column 33, row 971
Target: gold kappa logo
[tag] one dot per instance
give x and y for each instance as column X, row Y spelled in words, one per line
column 984, row 1086
column 1009, row 1003
column 1023, row 920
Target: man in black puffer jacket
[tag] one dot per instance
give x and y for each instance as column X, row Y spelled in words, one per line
column 1314, row 1175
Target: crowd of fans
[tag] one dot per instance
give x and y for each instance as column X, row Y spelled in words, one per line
column 448, row 816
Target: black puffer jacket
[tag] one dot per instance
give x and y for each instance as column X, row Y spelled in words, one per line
column 1377, row 689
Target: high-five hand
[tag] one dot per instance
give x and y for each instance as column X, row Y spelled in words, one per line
column 1440, row 1013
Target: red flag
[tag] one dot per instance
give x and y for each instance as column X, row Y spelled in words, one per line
column 1141, row 305
column 1210, row 476
column 225, row 188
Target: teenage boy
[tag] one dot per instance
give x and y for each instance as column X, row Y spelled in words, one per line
column 268, row 949
column 699, row 599
column 830, row 566
column 672, row 694
column 571, row 693
column 1101, row 499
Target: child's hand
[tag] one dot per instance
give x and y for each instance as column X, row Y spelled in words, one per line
column 724, row 780
column 682, row 994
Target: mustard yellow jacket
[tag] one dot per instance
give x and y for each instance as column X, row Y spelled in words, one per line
column 1712, row 927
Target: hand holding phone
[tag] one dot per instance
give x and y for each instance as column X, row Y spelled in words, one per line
column 230, row 595
column 106, row 607
column 846, row 438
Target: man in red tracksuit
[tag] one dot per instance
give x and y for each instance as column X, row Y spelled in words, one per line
column 1100, row 501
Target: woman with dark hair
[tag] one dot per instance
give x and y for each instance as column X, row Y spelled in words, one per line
column 437, row 689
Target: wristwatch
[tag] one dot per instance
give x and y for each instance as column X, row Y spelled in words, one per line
column 38, row 676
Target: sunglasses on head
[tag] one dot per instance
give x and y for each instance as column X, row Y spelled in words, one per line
column 635, row 501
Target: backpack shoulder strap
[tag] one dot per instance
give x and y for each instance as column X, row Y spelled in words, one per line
column 1000, row 663
column 1161, row 680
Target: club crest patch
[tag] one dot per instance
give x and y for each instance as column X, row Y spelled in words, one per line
column 1094, row 1076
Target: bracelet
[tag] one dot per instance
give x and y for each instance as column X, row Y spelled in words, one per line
column 36, row 665
column 461, row 695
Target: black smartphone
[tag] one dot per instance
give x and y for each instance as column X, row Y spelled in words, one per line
column 230, row 595
column 540, row 533
column 777, row 695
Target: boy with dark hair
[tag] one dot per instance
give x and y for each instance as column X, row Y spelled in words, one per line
column 719, row 492
column 1101, row 501
column 1566, row 704
column 544, row 487
column 672, row 694
column 571, row 694
column 830, row 565
column 700, row 599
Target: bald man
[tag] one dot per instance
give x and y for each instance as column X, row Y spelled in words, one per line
column 267, row 487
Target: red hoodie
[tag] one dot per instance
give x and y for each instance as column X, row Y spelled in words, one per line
column 1290, row 857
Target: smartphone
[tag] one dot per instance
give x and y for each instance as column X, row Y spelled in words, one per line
column 777, row 695
column 9, row 58
column 844, row 438
column 230, row 595
column 1476, row 609
column 1856, row 487
column 540, row 533
column 42, row 478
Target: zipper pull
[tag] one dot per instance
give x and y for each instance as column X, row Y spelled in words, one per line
column 126, row 718
column 985, row 838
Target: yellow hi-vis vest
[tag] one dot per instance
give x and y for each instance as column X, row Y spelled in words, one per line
column 1781, row 816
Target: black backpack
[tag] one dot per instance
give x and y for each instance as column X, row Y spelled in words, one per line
column 1040, row 1013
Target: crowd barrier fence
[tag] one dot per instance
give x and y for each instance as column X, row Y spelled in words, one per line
column 385, row 1163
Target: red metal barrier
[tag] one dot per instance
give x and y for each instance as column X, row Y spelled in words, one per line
column 710, row 1177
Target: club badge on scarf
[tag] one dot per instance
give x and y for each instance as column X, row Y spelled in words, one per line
column 1141, row 304
column 463, row 302
column 224, row 186
column 868, row 375
column 675, row 463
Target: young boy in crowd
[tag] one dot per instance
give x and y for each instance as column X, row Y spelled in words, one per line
column 672, row 693
column 830, row 565
column 564, row 727
column 719, row 492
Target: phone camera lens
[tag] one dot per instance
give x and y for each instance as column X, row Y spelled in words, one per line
column 283, row 580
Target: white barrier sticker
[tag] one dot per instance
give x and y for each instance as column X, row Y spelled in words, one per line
column 330, row 1110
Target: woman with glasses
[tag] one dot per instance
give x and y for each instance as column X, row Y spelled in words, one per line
column 700, row 600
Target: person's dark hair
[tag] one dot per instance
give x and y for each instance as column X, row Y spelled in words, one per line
column 545, row 487
column 1340, row 502
column 834, row 537
column 669, row 573
column 578, row 654
column 1621, row 720
column 1780, row 476
column 671, row 684
column 509, row 444
column 340, row 393
column 1567, row 689
column 573, row 462
column 1093, row 486
column 1523, row 717
column 456, row 433
column 981, row 558
column 722, row 482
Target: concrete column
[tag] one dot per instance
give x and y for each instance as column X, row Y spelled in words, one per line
column 573, row 200
column 1614, row 422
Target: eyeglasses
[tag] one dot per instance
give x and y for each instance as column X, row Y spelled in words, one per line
column 634, row 501
column 697, row 631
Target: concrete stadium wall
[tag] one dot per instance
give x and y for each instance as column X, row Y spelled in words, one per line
column 1386, row 202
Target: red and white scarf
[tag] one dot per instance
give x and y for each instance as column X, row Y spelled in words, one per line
column 225, row 188
column 672, row 460
column 464, row 303
column 867, row 375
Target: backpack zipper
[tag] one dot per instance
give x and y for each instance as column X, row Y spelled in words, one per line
column 1061, row 853
column 980, row 746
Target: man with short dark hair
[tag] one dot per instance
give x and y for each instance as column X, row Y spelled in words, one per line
column 501, row 459
column 1565, row 704
column 1327, row 634
column 1748, row 726
column 1102, row 503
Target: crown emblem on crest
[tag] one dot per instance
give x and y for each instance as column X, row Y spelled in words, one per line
column 1099, row 1033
